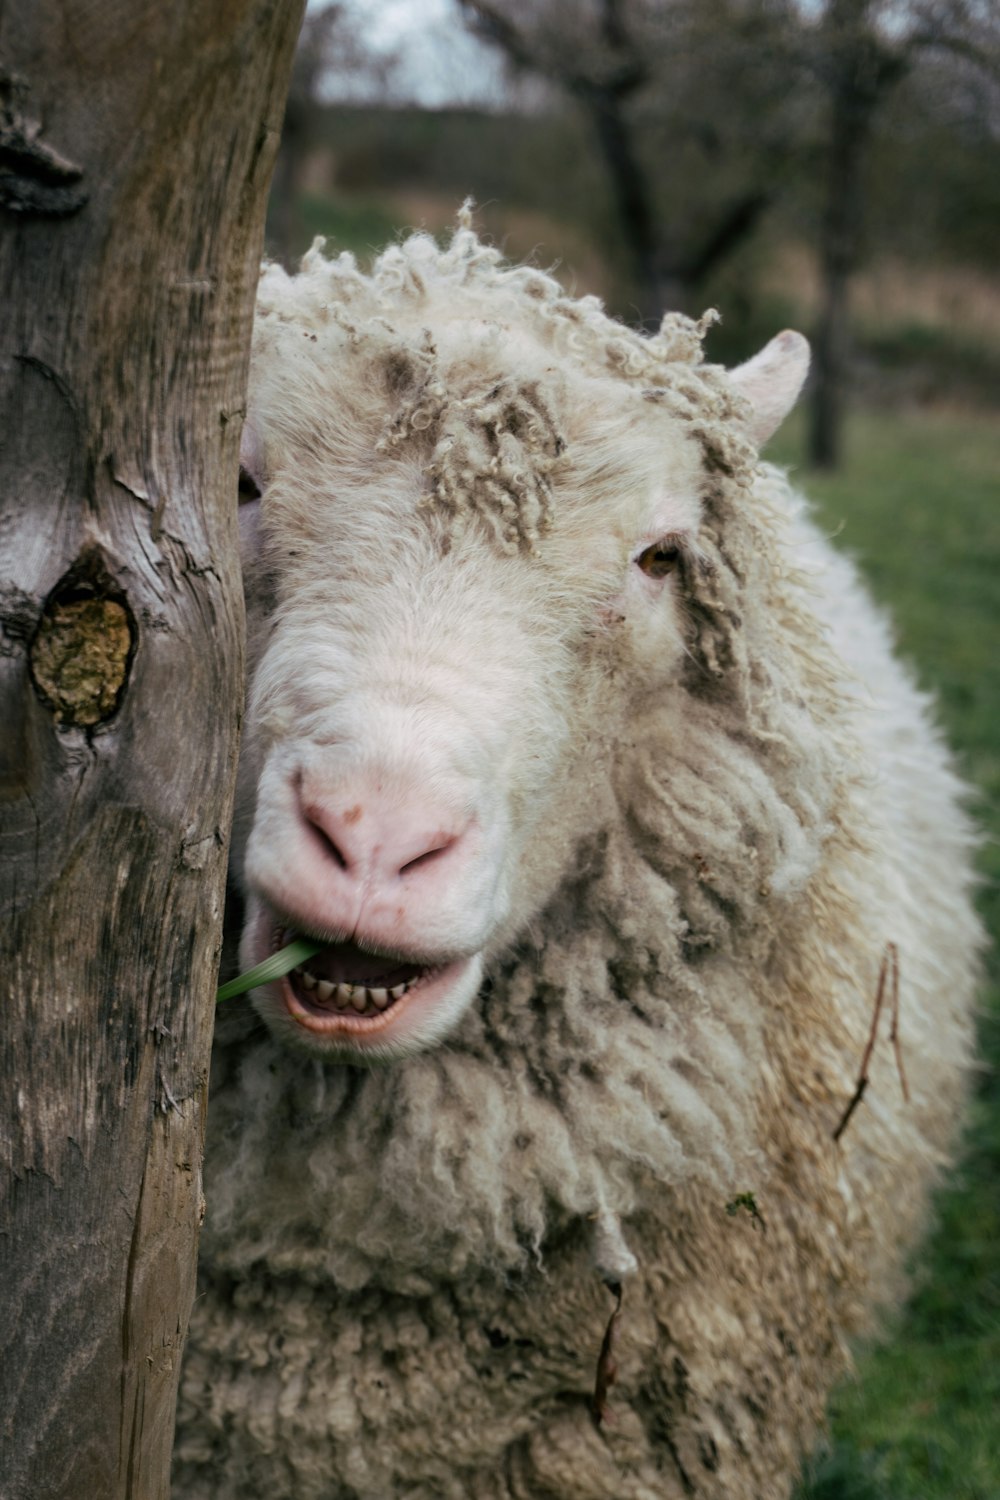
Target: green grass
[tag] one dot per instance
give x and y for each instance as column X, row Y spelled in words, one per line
column 361, row 224
column 918, row 504
column 932, row 360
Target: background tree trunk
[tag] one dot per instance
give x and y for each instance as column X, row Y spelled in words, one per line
column 136, row 146
column 861, row 66
column 839, row 250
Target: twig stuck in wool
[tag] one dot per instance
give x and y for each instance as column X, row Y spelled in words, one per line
column 890, row 970
column 894, row 1028
column 607, row 1365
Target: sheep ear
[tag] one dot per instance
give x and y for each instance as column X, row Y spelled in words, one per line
column 251, row 487
column 251, row 463
column 772, row 380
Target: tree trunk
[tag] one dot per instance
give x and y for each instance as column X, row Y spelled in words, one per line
column 136, row 145
column 634, row 202
column 862, row 68
column 838, row 259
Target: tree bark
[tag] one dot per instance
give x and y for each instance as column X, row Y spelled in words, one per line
column 136, row 145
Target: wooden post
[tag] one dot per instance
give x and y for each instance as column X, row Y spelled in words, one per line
column 136, row 145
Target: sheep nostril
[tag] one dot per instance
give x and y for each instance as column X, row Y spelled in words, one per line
column 329, row 846
column 427, row 857
column 371, row 838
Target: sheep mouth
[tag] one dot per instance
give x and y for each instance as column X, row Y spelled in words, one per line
column 353, row 999
column 347, row 981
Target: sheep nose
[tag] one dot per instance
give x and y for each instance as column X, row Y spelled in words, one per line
column 377, row 841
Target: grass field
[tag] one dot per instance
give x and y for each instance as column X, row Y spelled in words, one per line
column 919, row 505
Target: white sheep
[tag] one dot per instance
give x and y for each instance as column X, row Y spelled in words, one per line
column 589, row 760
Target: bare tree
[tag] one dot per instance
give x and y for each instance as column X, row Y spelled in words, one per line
column 136, row 146
column 860, row 51
column 703, row 110
column 658, row 83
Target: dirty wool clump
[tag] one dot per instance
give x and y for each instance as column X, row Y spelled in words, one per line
column 407, row 1266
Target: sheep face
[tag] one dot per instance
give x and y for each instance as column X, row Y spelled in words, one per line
column 434, row 706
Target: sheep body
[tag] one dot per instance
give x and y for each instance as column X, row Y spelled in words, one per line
column 722, row 801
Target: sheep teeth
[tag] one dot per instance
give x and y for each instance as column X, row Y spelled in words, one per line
column 355, row 996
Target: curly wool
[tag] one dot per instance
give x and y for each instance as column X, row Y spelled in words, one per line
column 400, row 1290
column 492, row 449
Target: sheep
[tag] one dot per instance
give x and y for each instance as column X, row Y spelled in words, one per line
column 589, row 761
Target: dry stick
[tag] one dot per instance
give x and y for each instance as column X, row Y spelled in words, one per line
column 894, row 1028
column 890, row 967
column 862, row 1083
column 607, row 1365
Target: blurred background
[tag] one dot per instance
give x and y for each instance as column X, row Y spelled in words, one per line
column 829, row 165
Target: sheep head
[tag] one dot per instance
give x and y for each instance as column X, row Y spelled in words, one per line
column 480, row 548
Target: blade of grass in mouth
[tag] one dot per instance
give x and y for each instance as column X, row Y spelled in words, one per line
column 276, row 967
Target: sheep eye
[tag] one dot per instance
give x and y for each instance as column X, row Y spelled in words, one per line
column 248, row 487
column 659, row 559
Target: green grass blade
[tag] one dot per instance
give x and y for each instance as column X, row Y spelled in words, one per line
column 275, row 967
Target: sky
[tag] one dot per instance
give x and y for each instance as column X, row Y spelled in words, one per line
column 437, row 62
